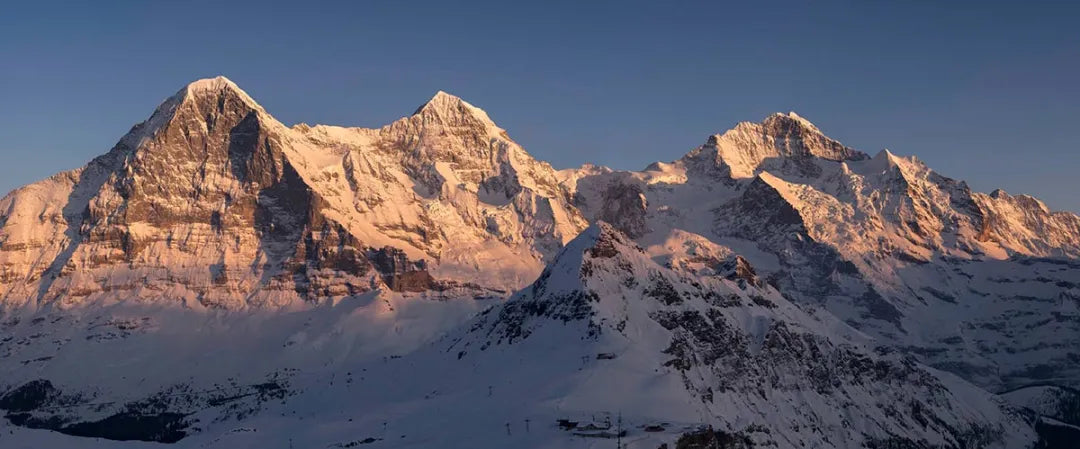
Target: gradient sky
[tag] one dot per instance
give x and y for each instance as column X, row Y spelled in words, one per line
column 988, row 92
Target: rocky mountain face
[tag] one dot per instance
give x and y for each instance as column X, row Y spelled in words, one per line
column 219, row 279
column 213, row 201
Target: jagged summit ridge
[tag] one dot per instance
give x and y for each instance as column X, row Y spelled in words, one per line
column 272, row 215
column 780, row 142
column 793, row 116
column 774, row 284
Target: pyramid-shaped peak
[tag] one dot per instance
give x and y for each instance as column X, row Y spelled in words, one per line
column 212, row 84
column 886, row 156
column 450, row 106
column 443, row 95
column 571, row 266
column 218, row 95
column 604, row 240
column 442, row 100
column 600, row 239
column 216, row 86
column 882, row 162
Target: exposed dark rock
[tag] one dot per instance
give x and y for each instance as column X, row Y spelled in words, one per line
column 1054, row 436
column 161, row 428
column 708, row 438
column 661, row 289
column 29, row 396
column 400, row 273
column 25, row 402
column 624, row 207
column 739, row 269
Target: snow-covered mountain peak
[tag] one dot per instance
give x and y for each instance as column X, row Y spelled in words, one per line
column 790, row 118
column 201, row 104
column 569, row 267
column 883, row 161
column 215, row 84
column 216, row 88
column 1001, row 194
column 797, row 136
column 452, row 110
column 786, row 143
column 440, row 99
column 1027, row 202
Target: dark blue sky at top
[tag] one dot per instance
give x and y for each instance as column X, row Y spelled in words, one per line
column 983, row 91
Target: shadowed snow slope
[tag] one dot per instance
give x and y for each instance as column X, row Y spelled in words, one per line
column 605, row 338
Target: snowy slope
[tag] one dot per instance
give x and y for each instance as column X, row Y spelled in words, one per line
column 982, row 285
column 605, row 338
column 726, row 351
column 219, row 279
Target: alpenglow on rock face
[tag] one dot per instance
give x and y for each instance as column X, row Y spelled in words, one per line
column 212, row 200
column 220, row 279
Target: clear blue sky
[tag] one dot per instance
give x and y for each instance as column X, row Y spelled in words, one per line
column 983, row 91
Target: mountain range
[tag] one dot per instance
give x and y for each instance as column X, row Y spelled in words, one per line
column 220, row 279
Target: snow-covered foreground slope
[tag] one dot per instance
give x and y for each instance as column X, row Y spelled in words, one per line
column 606, row 339
column 219, row 279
